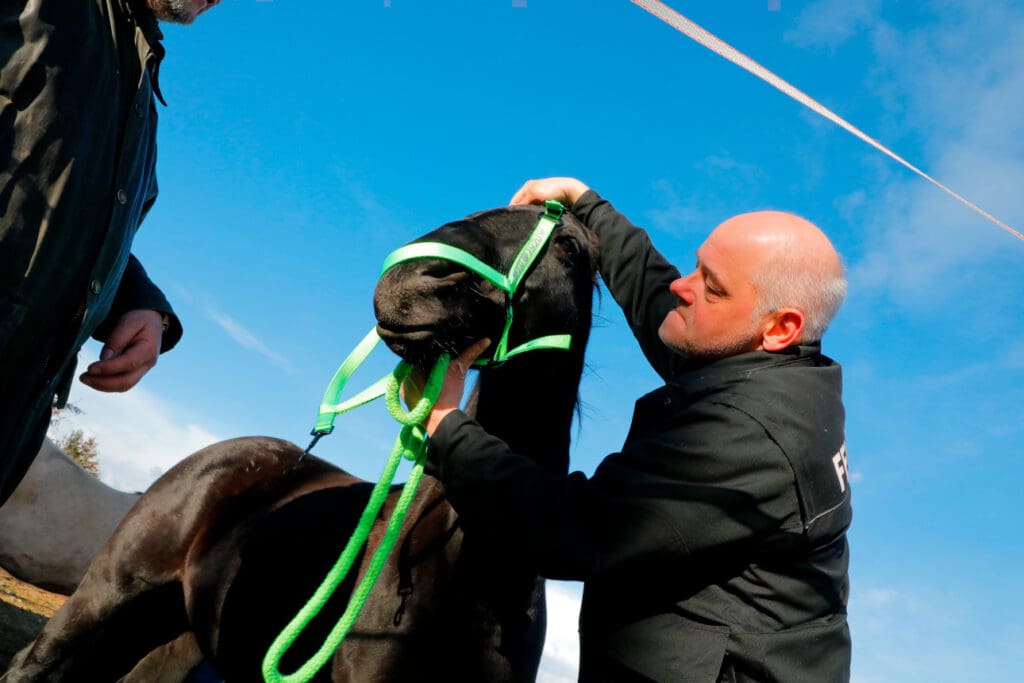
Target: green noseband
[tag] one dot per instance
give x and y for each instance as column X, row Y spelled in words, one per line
column 546, row 224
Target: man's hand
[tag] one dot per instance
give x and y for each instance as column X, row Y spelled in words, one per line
column 131, row 350
column 565, row 190
column 451, row 392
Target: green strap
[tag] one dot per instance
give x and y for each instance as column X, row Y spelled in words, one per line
column 546, row 224
column 418, row 250
column 552, row 341
column 410, row 444
column 329, row 406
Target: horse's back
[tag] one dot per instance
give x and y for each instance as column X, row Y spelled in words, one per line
column 222, row 483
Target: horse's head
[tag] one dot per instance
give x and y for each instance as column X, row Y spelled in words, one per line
column 429, row 306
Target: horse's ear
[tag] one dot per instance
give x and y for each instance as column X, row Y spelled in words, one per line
column 587, row 236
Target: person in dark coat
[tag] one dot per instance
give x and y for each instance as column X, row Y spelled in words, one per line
column 77, row 175
column 713, row 546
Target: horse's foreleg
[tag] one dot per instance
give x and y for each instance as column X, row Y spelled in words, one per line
column 170, row 663
column 101, row 632
column 129, row 602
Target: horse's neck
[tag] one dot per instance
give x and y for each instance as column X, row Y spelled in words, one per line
column 529, row 404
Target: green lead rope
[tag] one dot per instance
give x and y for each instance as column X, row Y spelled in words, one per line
column 410, row 444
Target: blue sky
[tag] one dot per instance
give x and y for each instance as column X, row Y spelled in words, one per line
column 305, row 140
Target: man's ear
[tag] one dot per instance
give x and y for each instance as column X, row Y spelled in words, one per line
column 785, row 328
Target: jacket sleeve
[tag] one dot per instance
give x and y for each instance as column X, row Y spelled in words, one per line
column 636, row 274
column 651, row 505
column 137, row 292
column 499, row 494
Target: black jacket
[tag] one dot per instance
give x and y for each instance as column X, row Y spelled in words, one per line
column 77, row 175
column 713, row 545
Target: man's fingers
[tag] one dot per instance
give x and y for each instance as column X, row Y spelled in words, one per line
column 523, row 195
column 122, row 371
column 469, row 356
column 102, row 378
column 117, row 365
column 565, row 190
column 113, row 382
column 126, row 329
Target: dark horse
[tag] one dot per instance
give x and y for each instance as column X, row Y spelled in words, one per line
column 231, row 542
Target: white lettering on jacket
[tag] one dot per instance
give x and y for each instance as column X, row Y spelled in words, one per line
column 842, row 466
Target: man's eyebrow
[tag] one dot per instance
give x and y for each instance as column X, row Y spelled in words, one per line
column 710, row 274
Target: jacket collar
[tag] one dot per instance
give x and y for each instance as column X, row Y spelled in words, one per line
column 697, row 377
column 147, row 23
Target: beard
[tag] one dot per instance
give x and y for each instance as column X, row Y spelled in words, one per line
column 702, row 350
column 174, row 11
column 712, row 351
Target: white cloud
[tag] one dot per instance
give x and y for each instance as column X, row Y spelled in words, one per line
column 878, row 597
column 562, row 646
column 238, row 332
column 247, row 339
column 830, row 23
column 139, row 435
column 955, row 81
column 700, row 209
column 965, row 101
column 916, row 633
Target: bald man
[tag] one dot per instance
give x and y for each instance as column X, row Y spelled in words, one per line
column 713, row 545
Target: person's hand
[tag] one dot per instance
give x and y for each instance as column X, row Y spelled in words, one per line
column 131, row 350
column 565, row 190
column 451, row 391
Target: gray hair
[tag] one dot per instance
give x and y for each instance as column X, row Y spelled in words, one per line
column 787, row 280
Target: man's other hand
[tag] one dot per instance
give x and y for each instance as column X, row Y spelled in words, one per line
column 131, row 350
column 565, row 190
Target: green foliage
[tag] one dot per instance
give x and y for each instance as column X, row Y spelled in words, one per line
column 82, row 450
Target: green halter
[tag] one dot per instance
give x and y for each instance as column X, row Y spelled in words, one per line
column 546, row 224
column 411, row 442
column 551, row 218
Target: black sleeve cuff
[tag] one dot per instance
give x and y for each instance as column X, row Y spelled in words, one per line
column 136, row 292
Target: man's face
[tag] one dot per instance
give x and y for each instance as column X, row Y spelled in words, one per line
column 714, row 315
column 180, row 11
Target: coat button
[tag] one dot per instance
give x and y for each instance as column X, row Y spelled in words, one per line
column 95, row 287
column 122, row 197
column 667, row 401
column 138, row 110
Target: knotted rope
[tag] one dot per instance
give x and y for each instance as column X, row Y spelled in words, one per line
column 411, row 445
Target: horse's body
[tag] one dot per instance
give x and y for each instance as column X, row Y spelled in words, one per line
column 232, row 541
column 57, row 520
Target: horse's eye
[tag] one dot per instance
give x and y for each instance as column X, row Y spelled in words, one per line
column 443, row 270
column 568, row 244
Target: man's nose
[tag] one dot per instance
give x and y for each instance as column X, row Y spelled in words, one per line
column 683, row 288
